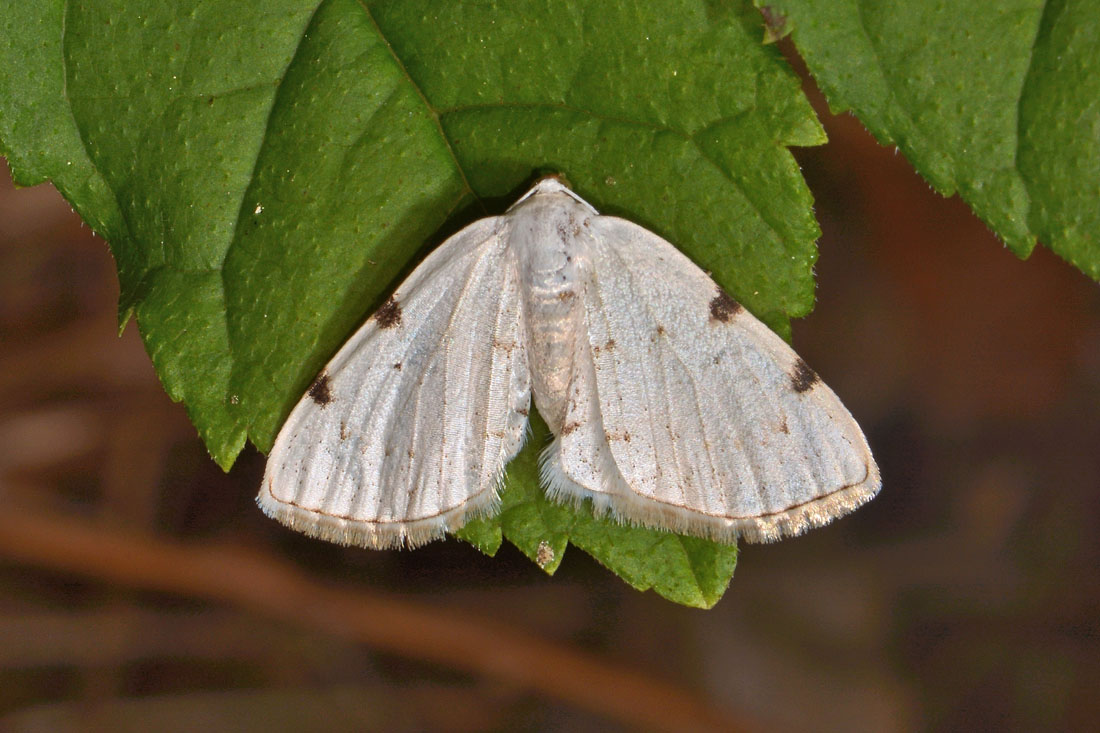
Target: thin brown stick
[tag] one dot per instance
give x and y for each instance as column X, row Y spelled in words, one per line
column 270, row 586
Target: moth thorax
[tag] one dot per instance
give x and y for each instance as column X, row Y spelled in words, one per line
column 549, row 236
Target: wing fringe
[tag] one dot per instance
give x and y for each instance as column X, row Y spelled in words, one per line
column 385, row 535
column 627, row 507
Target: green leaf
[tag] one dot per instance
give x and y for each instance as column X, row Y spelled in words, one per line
column 483, row 533
column 686, row 570
column 155, row 114
column 999, row 102
column 263, row 184
column 38, row 134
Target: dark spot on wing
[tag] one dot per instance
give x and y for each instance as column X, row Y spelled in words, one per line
column 660, row 330
column 610, row 344
column 523, row 411
column 389, row 315
column 397, row 366
column 566, row 295
column 723, row 307
column 569, row 427
column 319, row 391
column 803, row 378
column 783, row 427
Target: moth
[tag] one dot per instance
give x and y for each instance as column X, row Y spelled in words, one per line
column 671, row 406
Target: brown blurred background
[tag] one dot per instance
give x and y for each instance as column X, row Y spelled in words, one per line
column 141, row 589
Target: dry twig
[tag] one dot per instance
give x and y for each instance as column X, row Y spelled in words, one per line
column 269, row 586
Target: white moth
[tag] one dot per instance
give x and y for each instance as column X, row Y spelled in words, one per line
column 671, row 406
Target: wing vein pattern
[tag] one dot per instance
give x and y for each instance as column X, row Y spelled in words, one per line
column 698, row 408
column 415, row 418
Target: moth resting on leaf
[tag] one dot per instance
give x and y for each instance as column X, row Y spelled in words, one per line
column 671, row 406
